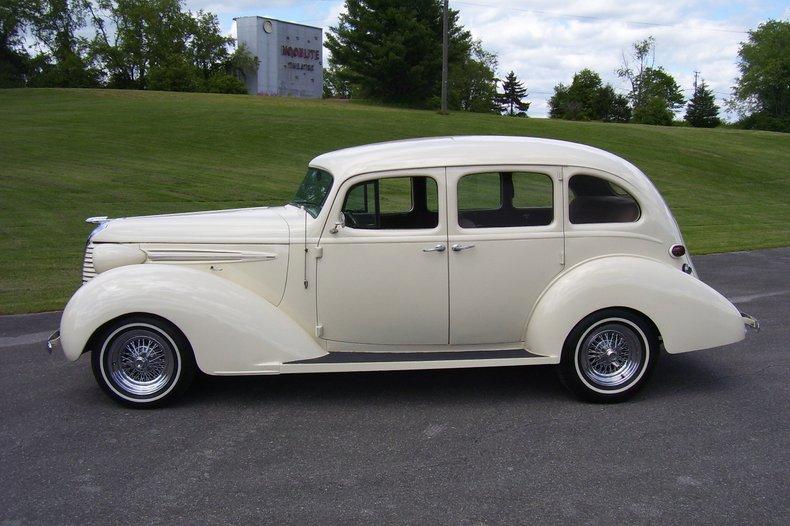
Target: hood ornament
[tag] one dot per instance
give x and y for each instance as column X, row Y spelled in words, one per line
column 97, row 220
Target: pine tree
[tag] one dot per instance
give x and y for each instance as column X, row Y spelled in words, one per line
column 702, row 111
column 390, row 50
column 510, row 99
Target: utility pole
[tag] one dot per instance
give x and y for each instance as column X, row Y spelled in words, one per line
column 445, row 44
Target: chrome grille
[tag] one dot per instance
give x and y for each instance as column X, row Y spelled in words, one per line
column 88, row 271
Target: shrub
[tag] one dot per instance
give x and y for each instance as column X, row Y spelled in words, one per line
column 223, row 83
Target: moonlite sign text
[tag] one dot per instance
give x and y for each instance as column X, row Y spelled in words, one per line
column 300, row 52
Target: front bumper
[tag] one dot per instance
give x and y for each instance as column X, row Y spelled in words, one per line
column 53, row 342
column 750, row 321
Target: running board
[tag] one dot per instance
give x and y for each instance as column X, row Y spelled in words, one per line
column 393, row 361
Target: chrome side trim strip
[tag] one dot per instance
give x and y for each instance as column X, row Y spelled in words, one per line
column 202, row 256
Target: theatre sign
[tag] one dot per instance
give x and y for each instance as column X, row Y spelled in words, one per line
column 290, row 56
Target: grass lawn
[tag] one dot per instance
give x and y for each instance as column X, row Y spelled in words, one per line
column 69, row 154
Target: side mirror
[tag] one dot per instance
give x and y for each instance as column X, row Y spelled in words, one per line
column 339, row 224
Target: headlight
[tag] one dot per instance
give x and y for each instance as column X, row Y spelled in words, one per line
column 112, row 255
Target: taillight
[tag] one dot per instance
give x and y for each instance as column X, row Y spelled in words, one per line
column 677, row 251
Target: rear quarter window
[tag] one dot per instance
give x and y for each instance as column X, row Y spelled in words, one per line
column 596, row 200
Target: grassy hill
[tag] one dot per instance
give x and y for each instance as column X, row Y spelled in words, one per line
column 69, row 154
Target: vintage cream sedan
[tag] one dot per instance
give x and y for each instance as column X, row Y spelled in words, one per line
column 419, row 254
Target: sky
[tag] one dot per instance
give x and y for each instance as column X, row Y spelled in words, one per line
column 546, row 41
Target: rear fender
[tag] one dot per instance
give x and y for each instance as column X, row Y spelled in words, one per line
column 689, row 314
column 231, row 330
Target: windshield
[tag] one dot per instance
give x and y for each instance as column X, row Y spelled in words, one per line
column 313, row 191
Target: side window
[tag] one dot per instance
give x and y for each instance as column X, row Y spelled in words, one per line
column 432, row 195
column 396, row 195
column 480, row 192
column 596, row 200
column 392, row 203
column 505, row 199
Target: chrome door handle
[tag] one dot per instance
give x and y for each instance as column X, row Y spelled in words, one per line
column 458, row 247
column 437, row 248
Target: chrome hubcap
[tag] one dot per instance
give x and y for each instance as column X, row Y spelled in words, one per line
column 611, row 355
column 141, row 362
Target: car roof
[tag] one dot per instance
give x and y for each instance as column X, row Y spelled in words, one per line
column 469, row 150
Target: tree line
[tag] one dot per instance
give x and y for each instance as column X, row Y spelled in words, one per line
column 387, row 50
column 653, row 98
column 125, row 44
column 383, row 50
column 761, row 95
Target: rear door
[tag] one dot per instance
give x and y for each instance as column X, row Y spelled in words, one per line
column 505, row 231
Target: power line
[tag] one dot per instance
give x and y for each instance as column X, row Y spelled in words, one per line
column 551, row 14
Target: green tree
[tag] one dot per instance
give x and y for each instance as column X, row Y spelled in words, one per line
column 149, row 34
column 702, row 111
column 473, row 82
column 649, row 84
column 510, row 100
column 335, row 85
column 63, row 60
column 659, row 83
column 174, row 74
column 16, row 17
column 644, row 54
column 390, row 50
column 208, row 49
column 611, row 106
column 587, row 98
column 762, row 92
column 240, row 64
column 654, row 111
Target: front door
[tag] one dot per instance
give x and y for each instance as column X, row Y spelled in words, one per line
column 505, row 246
column 383, row 276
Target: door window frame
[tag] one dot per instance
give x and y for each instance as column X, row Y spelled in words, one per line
column 454, row 175
column 348, row 233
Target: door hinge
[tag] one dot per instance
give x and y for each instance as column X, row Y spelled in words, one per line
column 319, row 331
column 562, row 258
column 319, row 252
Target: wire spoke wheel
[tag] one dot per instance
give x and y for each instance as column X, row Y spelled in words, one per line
column 611, row 355
column 141, row 362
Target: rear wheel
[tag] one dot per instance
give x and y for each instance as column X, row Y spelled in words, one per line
column 609, row 355
column 143, row 362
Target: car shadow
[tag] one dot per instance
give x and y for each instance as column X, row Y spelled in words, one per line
column 673, row 375
column 431, row 386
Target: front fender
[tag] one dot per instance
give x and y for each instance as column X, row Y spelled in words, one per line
column 231, row 330
column 689, row 314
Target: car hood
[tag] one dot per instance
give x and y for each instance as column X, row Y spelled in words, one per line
column 243, row 225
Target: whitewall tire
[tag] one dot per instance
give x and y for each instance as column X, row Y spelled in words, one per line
column 609, row 355
column 142, row 361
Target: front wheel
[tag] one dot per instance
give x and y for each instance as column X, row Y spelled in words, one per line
column 609, row 356
column 143, row 362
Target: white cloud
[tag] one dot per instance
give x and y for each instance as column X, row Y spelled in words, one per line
column 545, row 48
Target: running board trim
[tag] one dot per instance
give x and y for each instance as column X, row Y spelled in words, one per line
column 422, row 365
column 339, row 357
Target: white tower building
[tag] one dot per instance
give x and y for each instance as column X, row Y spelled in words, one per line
column 291, row 56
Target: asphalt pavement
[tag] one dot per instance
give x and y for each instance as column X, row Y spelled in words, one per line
column 705, row 443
